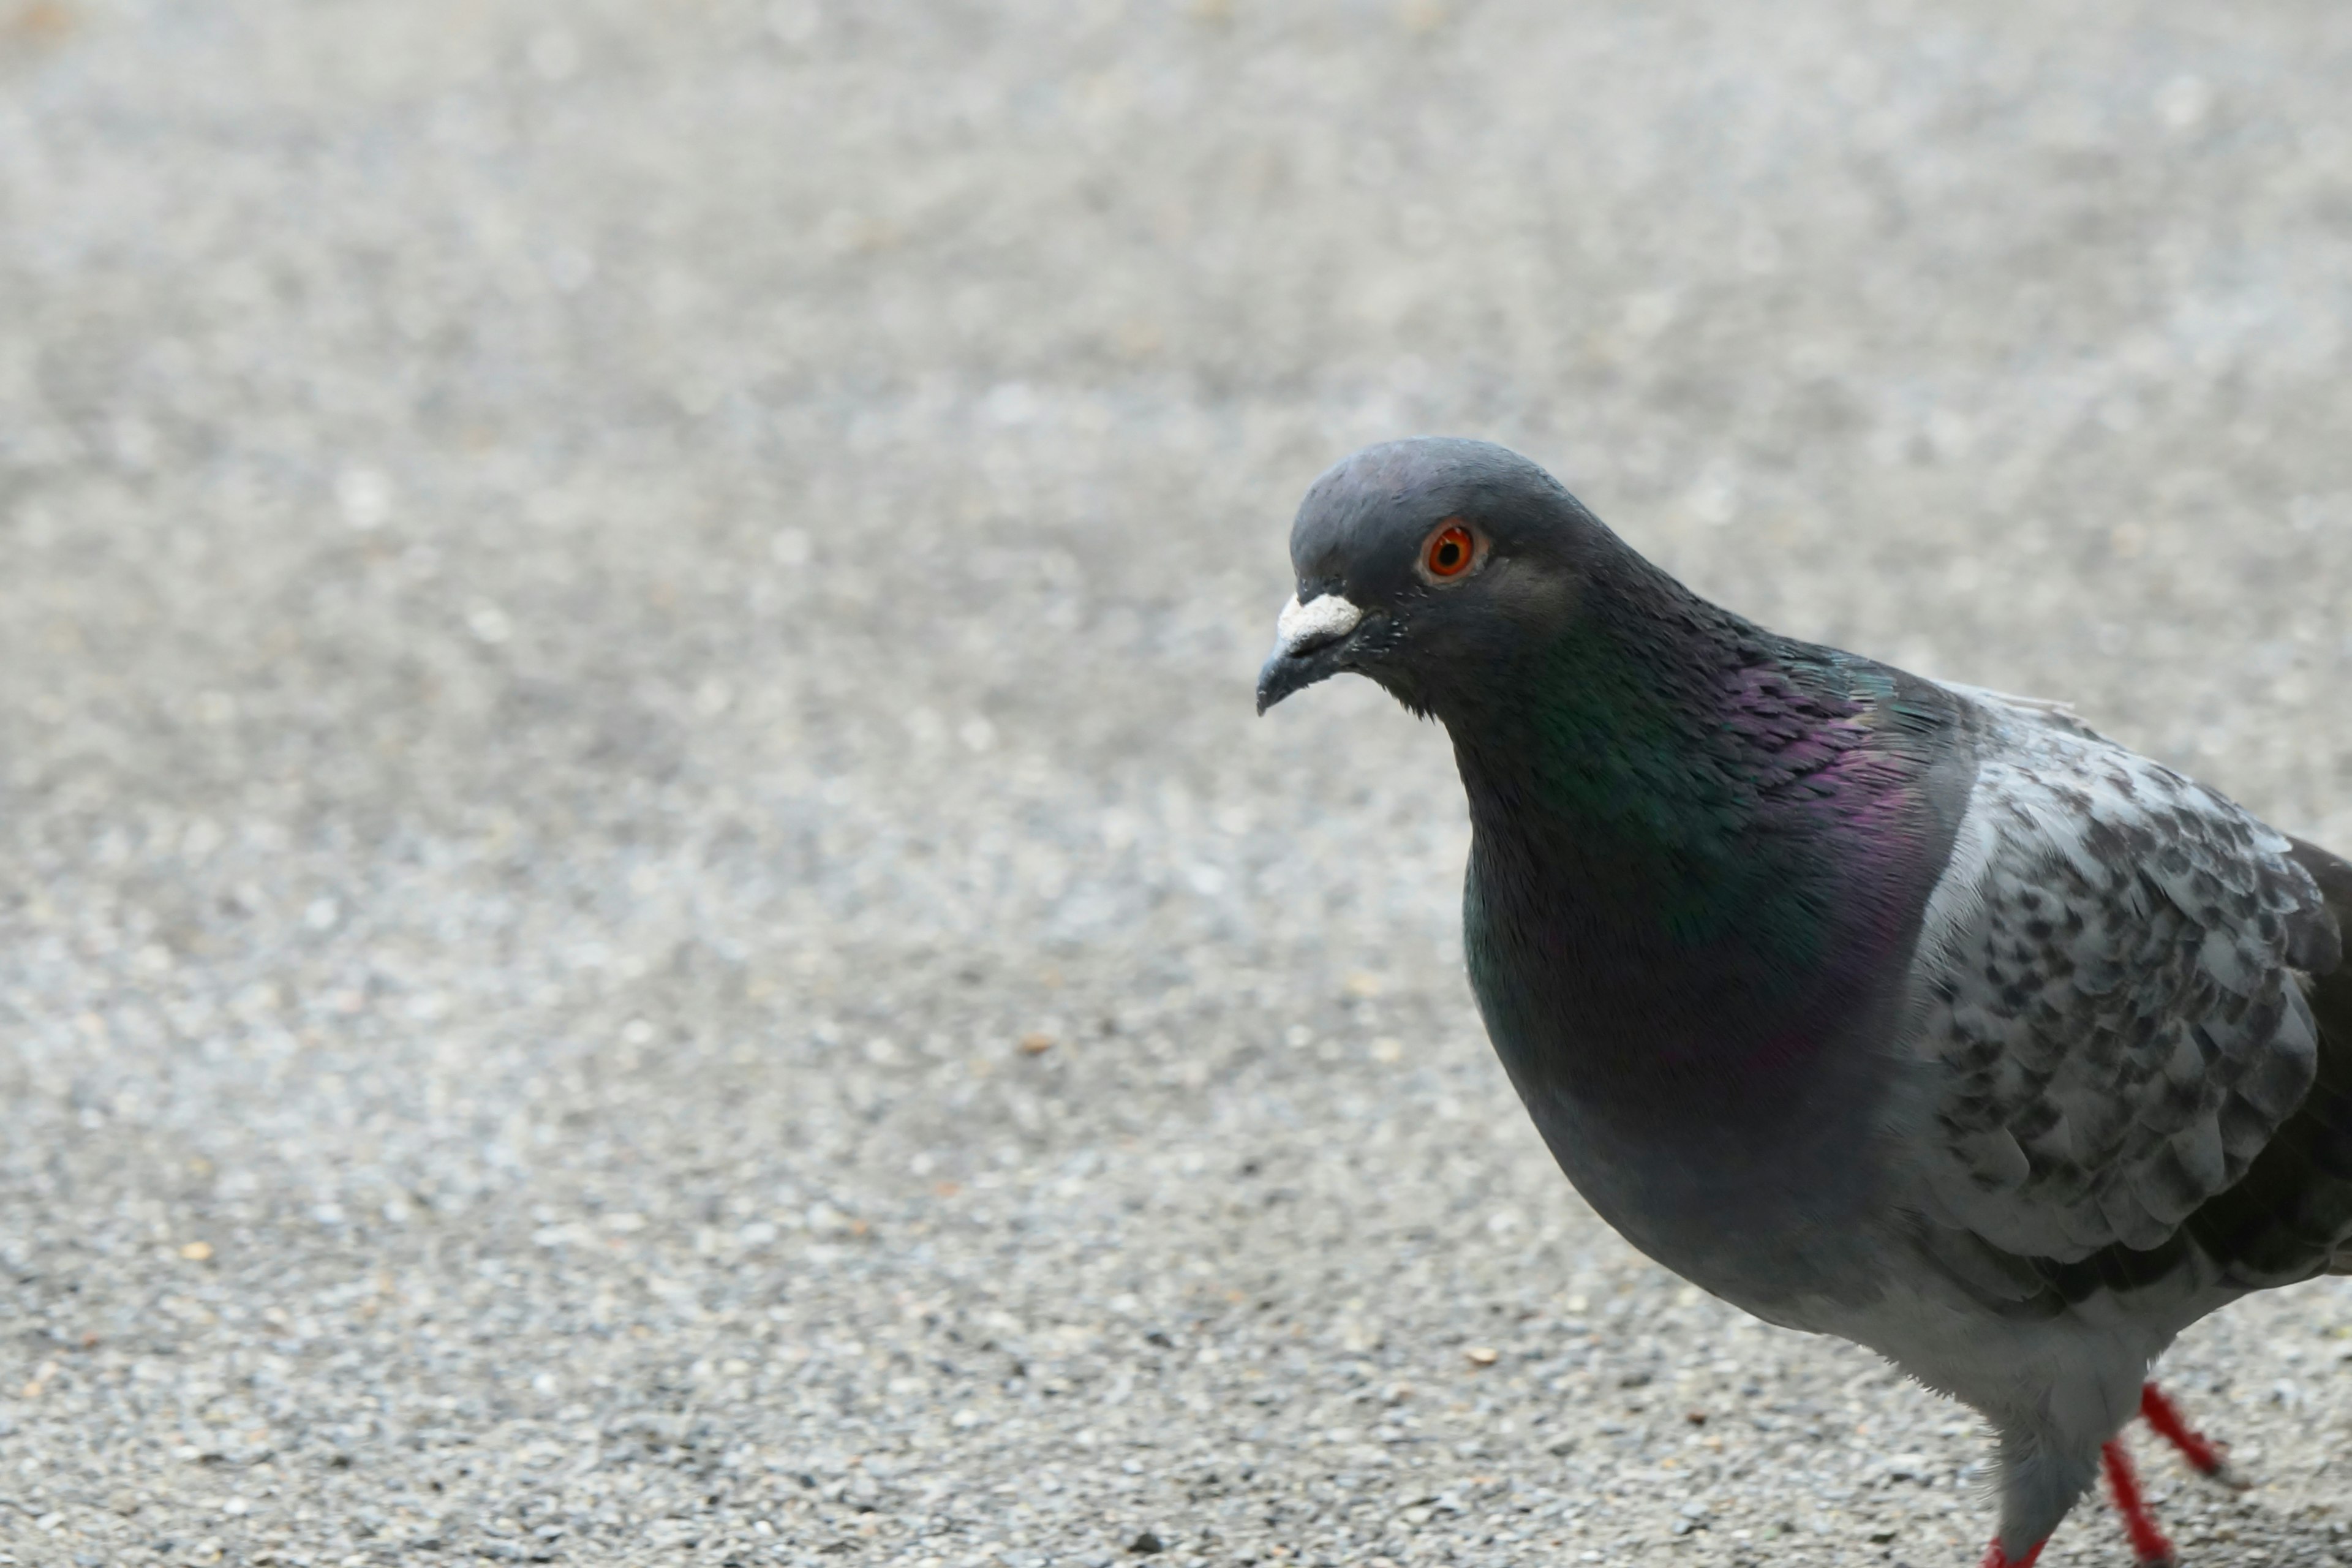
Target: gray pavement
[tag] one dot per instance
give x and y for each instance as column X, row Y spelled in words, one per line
column 642, row 919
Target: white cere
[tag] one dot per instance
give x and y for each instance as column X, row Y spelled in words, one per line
column 1321, row 618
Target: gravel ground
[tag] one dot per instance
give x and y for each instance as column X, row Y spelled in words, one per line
column 644, row 918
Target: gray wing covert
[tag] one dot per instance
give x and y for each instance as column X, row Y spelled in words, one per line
column 2112, row 1013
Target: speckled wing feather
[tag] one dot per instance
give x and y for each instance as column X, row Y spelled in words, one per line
column 2113, row 976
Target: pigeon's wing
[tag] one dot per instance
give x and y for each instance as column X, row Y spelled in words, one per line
column 2114, row 978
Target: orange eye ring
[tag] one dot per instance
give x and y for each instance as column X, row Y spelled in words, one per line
column 1450, row 551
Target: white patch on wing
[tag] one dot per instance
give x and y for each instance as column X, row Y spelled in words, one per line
column 1321, row 619
column 1956, row 906
column 2052, row 712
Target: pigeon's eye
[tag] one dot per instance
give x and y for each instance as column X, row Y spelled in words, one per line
column 1449, row 552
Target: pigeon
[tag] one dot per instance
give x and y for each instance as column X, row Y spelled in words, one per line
column 1881, row 1007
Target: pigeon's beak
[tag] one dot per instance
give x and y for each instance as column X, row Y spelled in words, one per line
column 1310, row 642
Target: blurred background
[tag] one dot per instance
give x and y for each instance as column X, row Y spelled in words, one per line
column 642, row 918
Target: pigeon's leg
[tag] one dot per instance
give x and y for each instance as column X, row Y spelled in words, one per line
column 2195, row 1448
column 2149, row 1544
column 2044, row 1473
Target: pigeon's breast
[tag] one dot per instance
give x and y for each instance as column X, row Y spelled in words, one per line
column 1690, row 937
column 1723, row 1113
column 1780, row 1218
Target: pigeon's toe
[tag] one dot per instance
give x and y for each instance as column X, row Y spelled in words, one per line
column 2207, row 1457
column 2225, row 1474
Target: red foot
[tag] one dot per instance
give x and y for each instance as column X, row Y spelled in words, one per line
column 2149, row 1543
column 2164, row 1416
column 1996, row 1558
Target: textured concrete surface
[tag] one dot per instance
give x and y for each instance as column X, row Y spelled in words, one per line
column 641, row 916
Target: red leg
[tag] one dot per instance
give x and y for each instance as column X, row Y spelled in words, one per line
column 2164, row 1416
column 2149, row 1543
column 1996, row 1558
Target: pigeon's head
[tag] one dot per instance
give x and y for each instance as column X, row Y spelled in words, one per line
column 1429, row 565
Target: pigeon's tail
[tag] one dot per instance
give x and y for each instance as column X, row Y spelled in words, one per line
column 2331, row 1004
column 2290, row 1217
column 2328, row 1109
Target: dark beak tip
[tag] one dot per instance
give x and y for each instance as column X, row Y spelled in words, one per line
column 1268, row 691
column 1289, row 671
